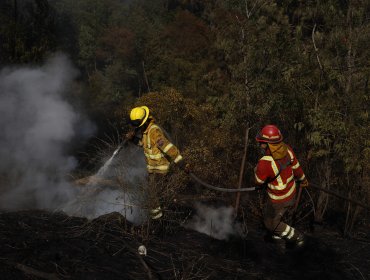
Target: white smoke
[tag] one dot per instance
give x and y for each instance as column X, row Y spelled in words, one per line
column 215, row 222
column 37, row 125
column 127, row 172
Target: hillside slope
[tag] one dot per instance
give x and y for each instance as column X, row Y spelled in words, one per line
column 44, row 245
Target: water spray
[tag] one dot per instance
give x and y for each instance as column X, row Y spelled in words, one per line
column 119, row 148
column 106, row 165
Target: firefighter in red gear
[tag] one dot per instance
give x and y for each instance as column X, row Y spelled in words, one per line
column 279, row 170
column 159, row 153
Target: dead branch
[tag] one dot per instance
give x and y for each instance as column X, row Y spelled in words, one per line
column 242, row 169
column 341, row 196
column 315, row 48
column 94, row 180
column 249, row 11
column 34, row 272
column 145, row 76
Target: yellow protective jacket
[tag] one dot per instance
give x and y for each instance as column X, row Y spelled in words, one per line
column 158, row 150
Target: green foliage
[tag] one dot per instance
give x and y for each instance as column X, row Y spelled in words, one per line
column 27, row 31
column 190, row 125
column 177, row 55
column 209, row 69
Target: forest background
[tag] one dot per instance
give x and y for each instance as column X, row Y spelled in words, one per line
column 210, row 70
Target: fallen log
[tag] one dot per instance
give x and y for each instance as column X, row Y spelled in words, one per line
column 94, row 180
column 33, row 272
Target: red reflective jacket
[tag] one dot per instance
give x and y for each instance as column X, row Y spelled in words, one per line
column 279, row 175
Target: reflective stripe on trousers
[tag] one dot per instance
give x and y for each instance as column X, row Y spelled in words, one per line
column 156, row 213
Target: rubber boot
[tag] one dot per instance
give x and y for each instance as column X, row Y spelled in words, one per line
column 294, row 238
column 298, row 241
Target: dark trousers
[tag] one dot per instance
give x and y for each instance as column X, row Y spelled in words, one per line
column 273, row 214
column 156, row 183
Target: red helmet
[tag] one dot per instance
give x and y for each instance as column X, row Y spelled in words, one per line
column 269, row 134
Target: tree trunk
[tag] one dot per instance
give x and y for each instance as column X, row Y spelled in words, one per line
column 323, row 199
column 242, row 168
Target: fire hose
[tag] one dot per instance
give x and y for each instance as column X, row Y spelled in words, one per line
column 119, row 147
column 222, row 189
column 340, row 196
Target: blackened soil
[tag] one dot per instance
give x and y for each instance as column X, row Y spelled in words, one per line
column 44, row 245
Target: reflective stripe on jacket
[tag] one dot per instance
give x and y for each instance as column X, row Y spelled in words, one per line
column 158, row 150
column 279, row 175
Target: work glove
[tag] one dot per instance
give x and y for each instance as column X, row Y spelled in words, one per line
column 129, row 135
column 304, row 183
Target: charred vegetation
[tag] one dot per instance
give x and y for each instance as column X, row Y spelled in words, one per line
column 39, row 244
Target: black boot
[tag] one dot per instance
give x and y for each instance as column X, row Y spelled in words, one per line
column 298, row 241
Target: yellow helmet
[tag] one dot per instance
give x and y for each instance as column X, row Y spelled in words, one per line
column 139, row 115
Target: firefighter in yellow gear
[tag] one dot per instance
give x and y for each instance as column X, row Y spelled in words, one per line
column 159, row 154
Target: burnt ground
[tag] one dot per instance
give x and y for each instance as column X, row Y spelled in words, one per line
column 45, row 245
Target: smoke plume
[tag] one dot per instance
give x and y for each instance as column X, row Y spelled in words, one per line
column 37, row 125
column 127, row 172
column 215, row 222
